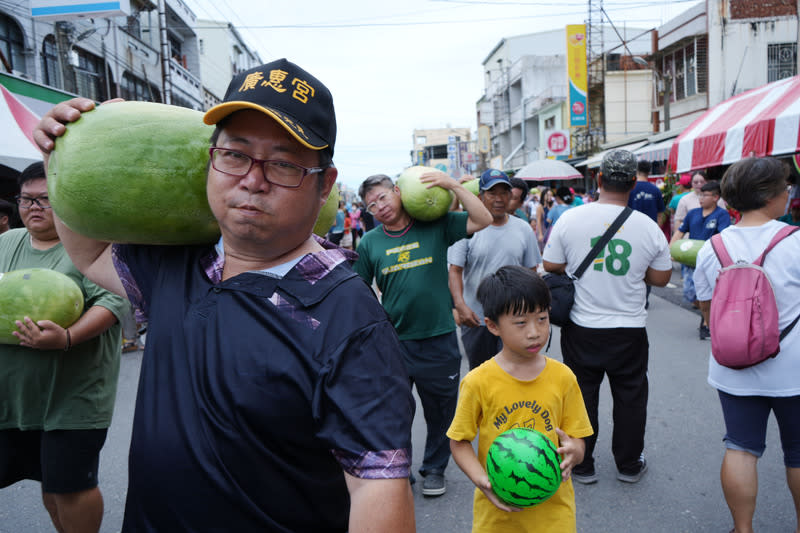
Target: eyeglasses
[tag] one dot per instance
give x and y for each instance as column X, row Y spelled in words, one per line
column 380, row 201
column 277, row 172
column 26, row 202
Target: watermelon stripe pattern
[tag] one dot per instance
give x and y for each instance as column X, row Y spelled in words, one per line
column 523, row 467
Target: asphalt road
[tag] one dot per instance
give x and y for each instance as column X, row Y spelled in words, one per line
column 679, row 493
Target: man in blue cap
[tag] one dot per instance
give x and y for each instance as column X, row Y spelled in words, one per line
column 508, row 240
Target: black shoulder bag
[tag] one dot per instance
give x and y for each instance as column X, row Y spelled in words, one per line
column 562, row 288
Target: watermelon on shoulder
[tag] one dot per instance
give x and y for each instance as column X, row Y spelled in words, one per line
column 684, row 251
column 38, row 293
column 134, row 172
column 473, row 186
column 420, row 201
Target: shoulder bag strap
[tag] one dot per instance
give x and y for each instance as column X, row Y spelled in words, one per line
column 599, row 245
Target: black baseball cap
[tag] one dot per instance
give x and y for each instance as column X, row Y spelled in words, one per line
column 294, row 98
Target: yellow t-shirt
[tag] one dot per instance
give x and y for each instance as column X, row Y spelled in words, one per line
column 490, row 402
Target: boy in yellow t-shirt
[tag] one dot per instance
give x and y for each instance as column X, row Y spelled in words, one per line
column 519, row 387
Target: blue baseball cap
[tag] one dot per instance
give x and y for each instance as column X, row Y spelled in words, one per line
column 492, row 177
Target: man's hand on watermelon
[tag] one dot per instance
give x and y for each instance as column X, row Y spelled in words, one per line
column 41, row 335
column 571, row 450
column 52, row 123
column 47, row 335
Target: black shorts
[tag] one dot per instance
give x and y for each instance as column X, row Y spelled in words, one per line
column 64, row 461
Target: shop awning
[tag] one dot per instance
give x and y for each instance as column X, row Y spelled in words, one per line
column 759, row 122
column 655, row 152
column 596, row 159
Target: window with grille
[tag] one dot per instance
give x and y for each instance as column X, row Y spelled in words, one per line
column 691, row 74
column 134, row 88
column 89, row 75
column 52, row 72
column 687, row 70
column 781, row 61
column 11, row 43
column 680, row 76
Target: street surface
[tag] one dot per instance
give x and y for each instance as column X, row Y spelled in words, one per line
column 680, row 492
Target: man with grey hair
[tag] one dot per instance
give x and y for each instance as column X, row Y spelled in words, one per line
column 606, row 332
column 408, row 260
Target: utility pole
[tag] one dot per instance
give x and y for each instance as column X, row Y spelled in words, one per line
column 166, row 73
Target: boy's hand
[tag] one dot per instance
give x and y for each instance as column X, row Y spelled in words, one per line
column 571, row 451
column 486, row 487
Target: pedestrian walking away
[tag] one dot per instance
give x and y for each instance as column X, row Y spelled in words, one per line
column 273, row 394
column 606, row 333
column 757, row 188
column 407, row 258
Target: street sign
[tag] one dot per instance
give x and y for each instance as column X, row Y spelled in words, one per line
column 557, row 142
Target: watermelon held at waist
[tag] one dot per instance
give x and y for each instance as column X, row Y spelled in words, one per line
column 684, row 251
column 38, row 293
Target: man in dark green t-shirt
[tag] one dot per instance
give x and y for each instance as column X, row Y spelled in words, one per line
column 407, row 258
column 57, row 387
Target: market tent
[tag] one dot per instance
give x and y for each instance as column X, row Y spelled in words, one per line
column 759, row 122
column 548, row 169
column 658, row 151
column 17, row 150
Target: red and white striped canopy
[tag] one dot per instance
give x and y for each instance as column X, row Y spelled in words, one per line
column 759, row 122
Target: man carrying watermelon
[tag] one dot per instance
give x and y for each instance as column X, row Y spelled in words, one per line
column 58, row 386
column 408, row 260
column 272, row 395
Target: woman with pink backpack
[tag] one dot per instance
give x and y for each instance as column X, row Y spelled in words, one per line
column 750, row 389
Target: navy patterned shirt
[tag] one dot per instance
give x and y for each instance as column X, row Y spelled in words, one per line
column 256, row 392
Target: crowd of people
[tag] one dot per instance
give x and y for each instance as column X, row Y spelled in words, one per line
column 275, row 391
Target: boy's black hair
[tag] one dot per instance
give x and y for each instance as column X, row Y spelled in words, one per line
column 513, row 290
column 711, row 186
column 34, row 171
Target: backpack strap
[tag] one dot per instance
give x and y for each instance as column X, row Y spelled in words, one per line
column 782, row 234
column 719, row 249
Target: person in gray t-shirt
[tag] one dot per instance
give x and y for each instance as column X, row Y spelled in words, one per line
column 507, row 241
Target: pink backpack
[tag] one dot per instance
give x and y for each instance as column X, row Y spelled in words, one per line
column 744, row 315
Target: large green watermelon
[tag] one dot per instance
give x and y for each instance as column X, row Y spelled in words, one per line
column 134, row 172
column 684, row 251
column 419, row 201
column 523, row 467
column 40, row 294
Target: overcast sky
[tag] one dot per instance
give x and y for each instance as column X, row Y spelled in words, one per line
column 393, row 67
